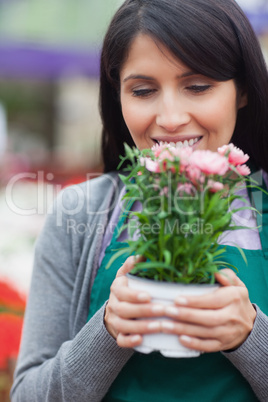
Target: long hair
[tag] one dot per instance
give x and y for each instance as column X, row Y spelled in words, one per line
column 213, row 38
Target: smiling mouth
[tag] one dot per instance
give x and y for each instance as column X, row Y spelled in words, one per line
column 179, row 144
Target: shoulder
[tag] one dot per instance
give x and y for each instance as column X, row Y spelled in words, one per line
column 94, row 196
column 78, row 212
column 93, row 189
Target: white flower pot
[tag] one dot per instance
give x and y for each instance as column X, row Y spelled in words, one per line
column 164, row 293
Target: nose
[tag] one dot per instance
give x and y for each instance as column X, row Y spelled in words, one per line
column 172, row 113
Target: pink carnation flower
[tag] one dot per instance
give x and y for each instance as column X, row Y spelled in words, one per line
column 209, row 162
column 235, row 155
column 166, row 154
column 194, row 174
column 186, row 188
column 162, row 151
column 150, row 165
column 244, row 170
column 215, row 186
column 164, row 191
column 224, row 149
column 182, row 153
column 157, row 149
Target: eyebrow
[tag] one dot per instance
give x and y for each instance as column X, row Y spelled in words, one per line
column 148, row 78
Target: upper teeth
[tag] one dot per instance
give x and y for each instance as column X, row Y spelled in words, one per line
column 180, row 144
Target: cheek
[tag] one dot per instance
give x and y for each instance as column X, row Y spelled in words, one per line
column 136, row 117
column 220, row 115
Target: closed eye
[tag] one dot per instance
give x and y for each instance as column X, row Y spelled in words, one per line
column 198, row 88
column 143, row 93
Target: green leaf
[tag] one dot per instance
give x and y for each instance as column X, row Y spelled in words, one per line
column 118, row 254
column 167, row 255
column 226, row 265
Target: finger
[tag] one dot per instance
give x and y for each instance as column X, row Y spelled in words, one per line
column 227, row 277
column 130, row 310
column 129, row 265
column 217, row 299
column 226, row 336
column 203, row 332
column 123, row 293
column 128, row 341
column 128, row 327
column 208, row 345
column 204, row 317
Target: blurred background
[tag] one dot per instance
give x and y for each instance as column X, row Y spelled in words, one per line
column 49, row 129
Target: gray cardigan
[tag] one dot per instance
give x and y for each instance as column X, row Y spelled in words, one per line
column 64, row 358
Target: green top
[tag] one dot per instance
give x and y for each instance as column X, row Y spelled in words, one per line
column 208, row 378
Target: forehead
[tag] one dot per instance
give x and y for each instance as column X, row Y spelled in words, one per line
column 147, row 53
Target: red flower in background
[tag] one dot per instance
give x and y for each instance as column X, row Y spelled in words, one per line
column 10, row 334
column 10, row 299
column 12, row 306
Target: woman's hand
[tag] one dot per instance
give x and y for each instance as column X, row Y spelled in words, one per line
column 124, row 305
column 218, row 321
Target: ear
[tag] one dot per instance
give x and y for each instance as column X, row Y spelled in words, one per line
column 242, row 100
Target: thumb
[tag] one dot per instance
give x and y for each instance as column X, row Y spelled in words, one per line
column 227, row 277
column 129, row 264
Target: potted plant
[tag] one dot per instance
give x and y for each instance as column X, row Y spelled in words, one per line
column 185, row 198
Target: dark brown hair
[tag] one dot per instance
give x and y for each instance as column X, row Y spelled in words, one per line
column 212, row 37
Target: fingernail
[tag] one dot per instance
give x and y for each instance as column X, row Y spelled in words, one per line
column 172, row 310
column 185, row 338
column 167, row 325
column 154, row 325
column 143, row 296
column 181, row 300
column 135, row 338
column 157, row 308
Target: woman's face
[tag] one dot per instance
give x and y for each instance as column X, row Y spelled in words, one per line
column 164, row 100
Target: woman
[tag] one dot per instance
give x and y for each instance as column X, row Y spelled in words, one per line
column 170, row 71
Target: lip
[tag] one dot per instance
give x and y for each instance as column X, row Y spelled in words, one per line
column 197, row 143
